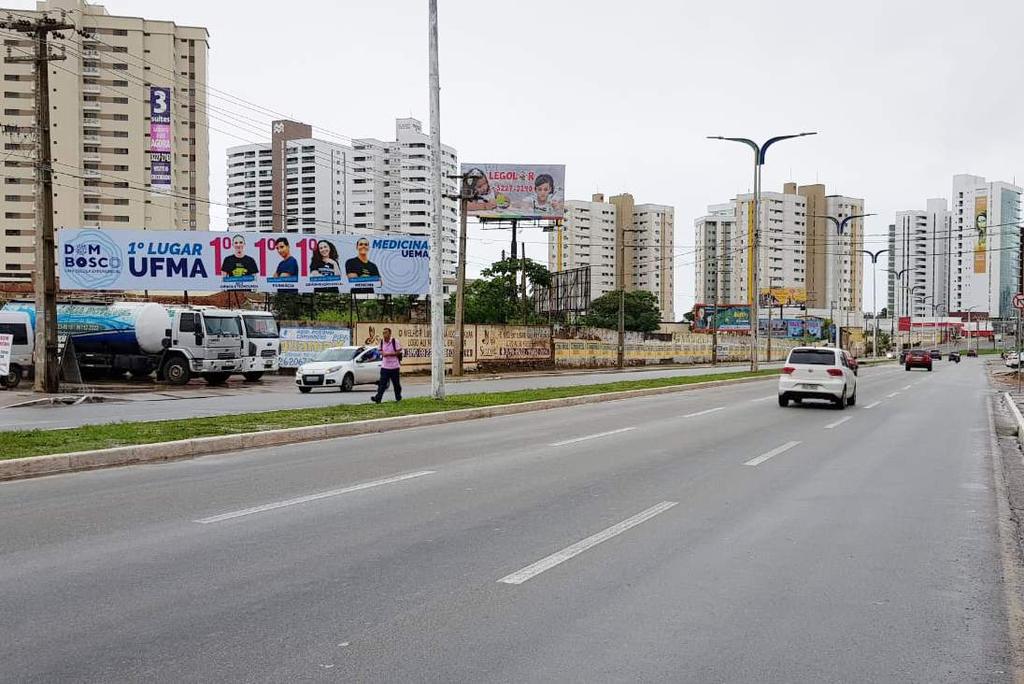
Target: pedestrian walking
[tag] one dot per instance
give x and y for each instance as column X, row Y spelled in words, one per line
column 390, row 367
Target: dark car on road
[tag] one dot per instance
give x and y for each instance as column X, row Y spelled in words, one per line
column 954, row 356
column 936, row 354
column 918, row 358
column 972, row 352
column 903, row 356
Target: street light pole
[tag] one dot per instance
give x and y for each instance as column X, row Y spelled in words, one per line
column 840, row 225
column 753, row 288
column 874, row 291
column 437, row 341
column 898, row 275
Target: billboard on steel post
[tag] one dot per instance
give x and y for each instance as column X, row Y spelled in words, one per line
column 516, row 191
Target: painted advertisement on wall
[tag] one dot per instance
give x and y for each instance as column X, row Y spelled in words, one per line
column 93, row 259
column 513, row 342
column 725, row 317
column 301, row 345
column 516, row 191
column 160, row 179
column 981, row 225
column 415, row 339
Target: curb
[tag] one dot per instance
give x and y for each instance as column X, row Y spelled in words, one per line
column 1016, row 416
column 35, row 466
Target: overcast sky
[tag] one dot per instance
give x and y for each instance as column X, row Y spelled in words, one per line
column 903, row 94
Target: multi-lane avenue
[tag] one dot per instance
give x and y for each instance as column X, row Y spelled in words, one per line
column 705, row 536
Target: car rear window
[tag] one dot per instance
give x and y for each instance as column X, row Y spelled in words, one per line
column 813, row 357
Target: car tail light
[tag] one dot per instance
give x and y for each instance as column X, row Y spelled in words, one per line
column 788, row 370
column 835, row 372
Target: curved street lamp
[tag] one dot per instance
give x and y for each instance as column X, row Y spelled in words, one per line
column 840, row 225
column 874, row 291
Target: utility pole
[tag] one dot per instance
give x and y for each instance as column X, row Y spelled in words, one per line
column 47, row 370
column 466, row 193
column 622, row 297
column 526, row 304
column 437, row 341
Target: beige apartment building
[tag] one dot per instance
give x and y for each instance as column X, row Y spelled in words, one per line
column 622, row 242
column 100, row 129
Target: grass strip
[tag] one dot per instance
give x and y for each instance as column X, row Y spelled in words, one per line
column 22, row 443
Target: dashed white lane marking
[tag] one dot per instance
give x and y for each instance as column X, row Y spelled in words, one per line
column 312, row 497
column 838, row 422
column 584, row 438
column 579, row 547
column 704, row 412
column 890, row 396
column 907, row 387
column 872, row 405
column 770, row 454
column 765, row 398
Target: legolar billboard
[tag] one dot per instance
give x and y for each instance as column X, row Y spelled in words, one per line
column 92, row 259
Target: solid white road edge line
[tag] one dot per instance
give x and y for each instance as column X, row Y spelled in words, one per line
column 705, row 412
column 559, row 557
column 774, row 452
column 873, row 405
column 838, row 422
column 311, row 497
column 596, row 435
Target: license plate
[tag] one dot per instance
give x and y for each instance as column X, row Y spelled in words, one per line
column 313, row 379
column 809, row 386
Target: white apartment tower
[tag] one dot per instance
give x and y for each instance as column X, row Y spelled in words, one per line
column 960, row 259
column 714, row 254
column 587, row 238
column 298, row 183
column 100, row 128
column 919, row 260
column 619, row 240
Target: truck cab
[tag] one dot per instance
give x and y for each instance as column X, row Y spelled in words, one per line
column 205, row 342
column 261, row 344
column 18, row 325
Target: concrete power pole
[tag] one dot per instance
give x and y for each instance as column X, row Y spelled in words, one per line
column 47, row 371
column 437, row 341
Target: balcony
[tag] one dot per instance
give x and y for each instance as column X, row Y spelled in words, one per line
column 91, row 173
column 90, row 71
column 91, row 139
column 91, row 88
column 91, row 106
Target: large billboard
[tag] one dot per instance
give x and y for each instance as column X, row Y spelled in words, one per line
column 515, row 191
column 981, row 224
column 160, row 179
column 784, row 296
column 727, row 317
column 93, row 259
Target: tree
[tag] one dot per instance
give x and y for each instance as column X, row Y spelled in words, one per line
column 495, row 297
column 641, row 311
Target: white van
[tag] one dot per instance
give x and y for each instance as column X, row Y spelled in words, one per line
column 18, row 324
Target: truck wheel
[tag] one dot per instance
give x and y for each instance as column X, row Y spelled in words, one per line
column 216, row 378
column 253, row 376
column 177, row 372
column 347, row 382
column 13, row 377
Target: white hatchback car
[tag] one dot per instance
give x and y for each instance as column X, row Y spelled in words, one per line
column 341, row 368
column 819, row 373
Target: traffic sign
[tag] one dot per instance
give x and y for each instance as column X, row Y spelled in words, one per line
column 1018, row 301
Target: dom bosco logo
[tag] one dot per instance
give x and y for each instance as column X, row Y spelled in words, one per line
column 92, row 260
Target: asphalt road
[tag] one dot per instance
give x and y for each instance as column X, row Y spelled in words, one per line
column 705, row 536
column 211, row 403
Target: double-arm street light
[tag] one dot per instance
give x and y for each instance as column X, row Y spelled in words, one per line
column 897, row 275
column 911, row 300
column 840, row 225
column 874, row 288
column 753, row 287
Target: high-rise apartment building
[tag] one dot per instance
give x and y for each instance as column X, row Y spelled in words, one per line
column 714, row 254
column 298, row 183
column 620, row 241
column 100, row 129
column 919, row 254
column 796, row 253
column 587, row 239
column 964, row 258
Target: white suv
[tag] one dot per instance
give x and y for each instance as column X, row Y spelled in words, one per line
column 819, row 373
